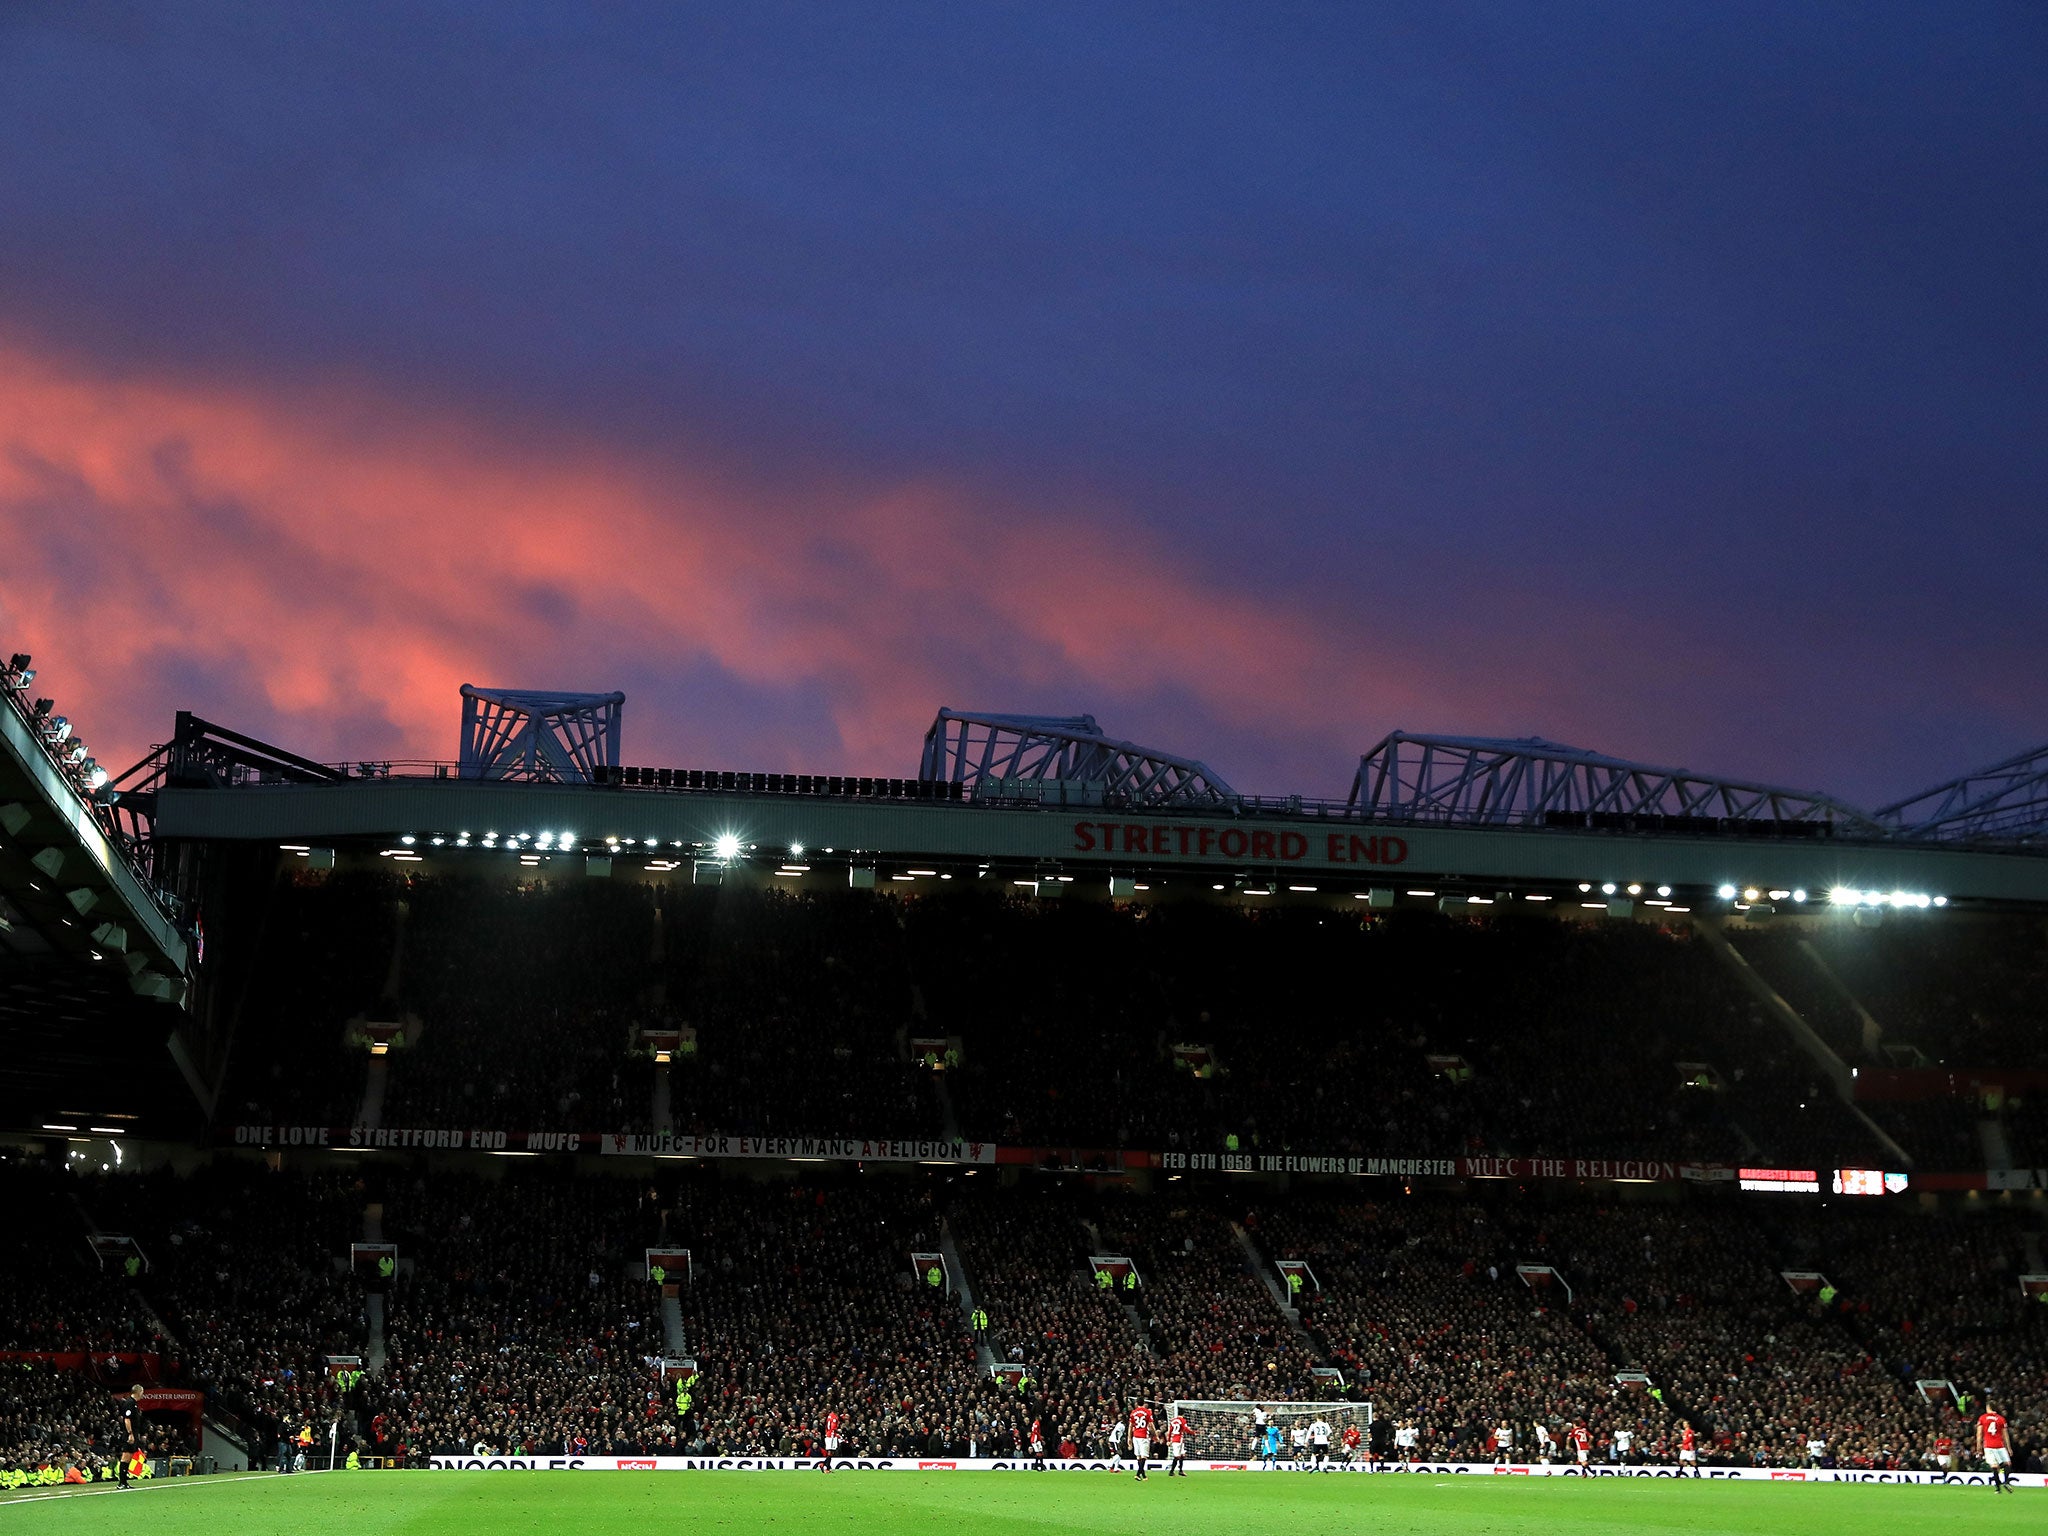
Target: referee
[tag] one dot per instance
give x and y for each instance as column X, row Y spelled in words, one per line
column 131, row 1427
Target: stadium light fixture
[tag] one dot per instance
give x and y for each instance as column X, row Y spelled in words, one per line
column 1607, row 888
column 96, row 778
column 408, row 839
column 1663, row 890
column 1585, row 885
column 1751, row 894
column 1799, row 894
column 1422, row 893
column 1779, row 895
column 796, row 850
column 1726, row 892
column 727, row 846
column 1634, row 889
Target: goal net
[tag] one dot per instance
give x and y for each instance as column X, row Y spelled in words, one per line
column 1229, row 1431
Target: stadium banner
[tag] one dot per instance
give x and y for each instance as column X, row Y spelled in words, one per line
column 1613, row 1170
column 1054, row 1464
column 365, row 1138
column 845, row 1149
column 1106, row 1161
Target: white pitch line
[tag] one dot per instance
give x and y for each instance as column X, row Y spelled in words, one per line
column 27, row 1496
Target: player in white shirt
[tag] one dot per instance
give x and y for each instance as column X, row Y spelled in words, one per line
column 1319, row 1440
column 1624, row 1442
column 1816, row 1448
column 1407, row 1438
column 1116, row 1444
column 1541, row 1433
column 1298, row 1439
column 1503, row 1443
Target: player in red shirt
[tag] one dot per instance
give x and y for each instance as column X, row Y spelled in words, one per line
column 1351, row 1440
column 1688, row 1449
column 1141, row 1437
column 1037, row 1446
column 1582, row 1442
column 1177, row 1446
column 1944, row 1452
column 831, row 1441
column 1992, row 1446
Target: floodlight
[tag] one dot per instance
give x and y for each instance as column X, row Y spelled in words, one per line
column 727, row 846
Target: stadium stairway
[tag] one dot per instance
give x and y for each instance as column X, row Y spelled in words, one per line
column 949, row 1123
column 373, row 1304
column 672, row 1335
column 1279, row 1294
column 963, row 1291
column 663, row 1107
column 1803, row 1034
column 371, row 1111
column 1991, row 1137
column 1873, row 1032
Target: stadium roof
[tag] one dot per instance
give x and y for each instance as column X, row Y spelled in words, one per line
column 1488, row 780
column 991, row 754
column 2007, row 801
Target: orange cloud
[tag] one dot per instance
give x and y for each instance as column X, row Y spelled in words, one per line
column 329, row 566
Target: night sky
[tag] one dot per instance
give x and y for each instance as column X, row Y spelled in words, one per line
column 1666, row 379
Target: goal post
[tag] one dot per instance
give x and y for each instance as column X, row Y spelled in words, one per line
column 1226, row 1431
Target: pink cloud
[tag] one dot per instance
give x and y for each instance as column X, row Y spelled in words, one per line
column 335, row 556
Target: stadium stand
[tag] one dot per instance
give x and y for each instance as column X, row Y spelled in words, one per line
column 520, row 1002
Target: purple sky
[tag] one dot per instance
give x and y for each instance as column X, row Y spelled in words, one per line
column 1261, row 378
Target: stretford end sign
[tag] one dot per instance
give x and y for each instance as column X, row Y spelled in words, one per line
column 1261, row 845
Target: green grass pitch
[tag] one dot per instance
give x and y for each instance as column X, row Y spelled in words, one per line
column 1003, row 1504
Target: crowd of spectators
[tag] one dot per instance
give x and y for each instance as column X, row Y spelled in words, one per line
column 320, row 957
column 1959, row 990
column 1329, row 1031
column 1936, row 1298
column 54, row 1292
column 513, row 1322
column 247, row 1266
column 803, row 1005
column 60, row 1418
column 1405, row 1034
column 522, row 1318
column 1081, row 1351
column 1695, row 1297
column 521, row 1003
column 1421, row 1304
column 1212, row 1324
